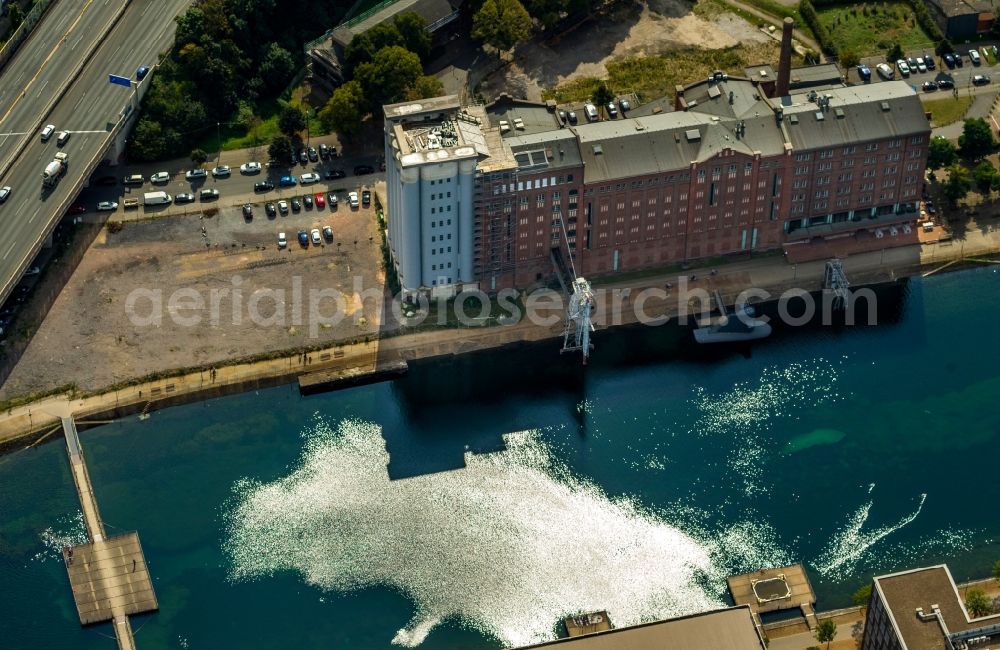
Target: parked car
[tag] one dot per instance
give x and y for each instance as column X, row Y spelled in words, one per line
column 270, row 210
column 612, row 110
column 929, row 86
column 209, row 194
column 160, row 177
column 108, row 206
column 320, row 200
column 283, row 206
column 250, row 168
column 4, row 193
column 328, row 233
column 34, row 270
column 222, row 171
column 184, row 197
column 303, row 156
column 106, row 181
column 571, row 116
column 296, row 205
column 946, row 84
column 353, row 199
column 625, row 105
column 958, row 60
column 921, row 66
column 247, row 212
column 366, row 198
column 949, row 60
column 263, row 186
column 324, row 152
column 590, row 111
column 308, row 178
column 903, row 68
column 332, row 198
column 196, row 174
column 313, row 156
column 912, row 62
column 304, row 239
column 885, row 71
column 333, row 174
column 76, row 208
column 361, row 170
column 282, row 241
column 974, row 57
column 864, row 72
column 287, row 181
column 980, row 80
column 308, row 201
column 317, row 239
column 929, row 62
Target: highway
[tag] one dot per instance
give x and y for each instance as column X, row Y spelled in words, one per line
column 88, row 109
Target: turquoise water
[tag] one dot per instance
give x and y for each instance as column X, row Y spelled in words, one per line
column 473, row 502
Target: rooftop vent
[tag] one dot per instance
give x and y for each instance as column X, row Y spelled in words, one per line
column 885, row 107
column 763, row 73
column 692, row 135
column 598, row 149
column 713, row 92
column 794, row 119
column 839, row 112
column 639, row 126
column 819, row 116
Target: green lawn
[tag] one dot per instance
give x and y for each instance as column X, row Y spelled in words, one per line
column 947, row 110
column 235, row 136
column 871, row 28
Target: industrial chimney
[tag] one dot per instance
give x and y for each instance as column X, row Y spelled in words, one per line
column 785, row 59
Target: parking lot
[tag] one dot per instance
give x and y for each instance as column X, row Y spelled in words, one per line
column 93, row 337
column 961, row 76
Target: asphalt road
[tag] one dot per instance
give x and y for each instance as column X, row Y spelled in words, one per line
column 88, row 109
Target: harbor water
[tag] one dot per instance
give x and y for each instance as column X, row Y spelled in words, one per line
column 474, row 502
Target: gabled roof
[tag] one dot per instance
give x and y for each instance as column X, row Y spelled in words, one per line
column 856, row 114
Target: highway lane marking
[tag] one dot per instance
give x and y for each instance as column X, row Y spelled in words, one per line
column 9, row 249
column 47, row 59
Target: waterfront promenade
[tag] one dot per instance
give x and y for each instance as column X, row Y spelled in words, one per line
column 769, row 272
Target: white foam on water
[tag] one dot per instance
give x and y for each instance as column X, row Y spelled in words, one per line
column 850, row 544
column 68, row 531
column 507, row 545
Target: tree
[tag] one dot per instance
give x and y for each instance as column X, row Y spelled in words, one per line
column 895, row 53
column 943, row 47
column 389, row 75
column 976, row 140
column 291, row 120
column 978, row 603
column 412, row 29
column 958, row 184
column 16, row 15
column 344, row 111
column 148, row 141
column 602, row 95
column 277, row 68
column 826, row 632
column 986, row 177
column 862, row 596
column 281, row 148
column 501, row 24
column 425, row 87
column 941, row 153
column 849, row 58
column 198, row 156
column 365, row 46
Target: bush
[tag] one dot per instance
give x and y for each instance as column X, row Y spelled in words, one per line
column 115, row 226
column 809, row 15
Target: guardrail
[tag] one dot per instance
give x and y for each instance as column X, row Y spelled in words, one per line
column 20, row 35
column 9, row 283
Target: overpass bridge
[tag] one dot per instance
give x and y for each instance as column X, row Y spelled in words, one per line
column 59, row 76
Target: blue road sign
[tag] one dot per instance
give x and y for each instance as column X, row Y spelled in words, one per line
column 121, row 81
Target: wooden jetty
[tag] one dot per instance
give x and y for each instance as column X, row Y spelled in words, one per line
column 770, row 590
column 109, row 577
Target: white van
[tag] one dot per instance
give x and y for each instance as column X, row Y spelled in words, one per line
column 156, row 198
column 591, row 112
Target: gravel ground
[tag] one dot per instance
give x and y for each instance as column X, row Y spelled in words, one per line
column 89, row 338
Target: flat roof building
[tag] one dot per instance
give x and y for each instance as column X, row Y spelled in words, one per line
column 963, row 19
column 722, row 629
column 921, row 609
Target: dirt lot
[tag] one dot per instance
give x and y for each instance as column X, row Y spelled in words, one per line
column 89, row 337
column 646, row 28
